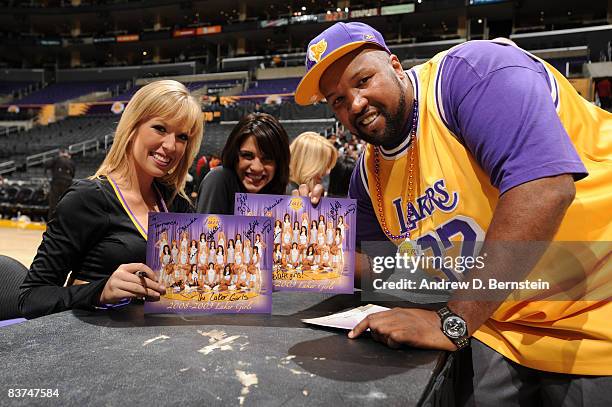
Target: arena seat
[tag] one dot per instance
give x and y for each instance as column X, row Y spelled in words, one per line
column 9, row 88
column 272, row 86
column 7, row 198
column 62, row 133
column 12, row 274
column 37, row 206
column 59, row 92
column 213, row 87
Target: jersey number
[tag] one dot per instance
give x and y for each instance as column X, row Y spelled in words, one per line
column 437, row 242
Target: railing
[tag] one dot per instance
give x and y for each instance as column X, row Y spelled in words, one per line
column 333, row 130
column 81, row 147
column 282, row 121
column 580, row 30
column 84, row 146
column 5, row 131
column 41, row 158
column 8, row 166
column 108, row 140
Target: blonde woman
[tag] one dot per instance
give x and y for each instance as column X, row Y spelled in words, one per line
column 202, row 251
column 174, row 251
column 162, row 242
column 312, row 157
column 155, row 143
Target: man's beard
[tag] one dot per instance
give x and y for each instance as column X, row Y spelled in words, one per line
column 394, row 124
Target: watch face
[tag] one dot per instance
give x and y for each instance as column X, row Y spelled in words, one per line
column 454, row 327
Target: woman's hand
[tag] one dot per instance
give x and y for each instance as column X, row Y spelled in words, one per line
column 315, row 195
column 125, row 283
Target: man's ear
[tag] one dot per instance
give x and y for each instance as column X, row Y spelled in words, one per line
column 397, row 66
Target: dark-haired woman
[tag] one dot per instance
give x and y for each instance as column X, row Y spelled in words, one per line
column 255, row 159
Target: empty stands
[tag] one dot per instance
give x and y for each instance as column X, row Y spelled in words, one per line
column 60, row 134
column 272, row 86
column 9, row 88
column 24, row 199
column 59, row 92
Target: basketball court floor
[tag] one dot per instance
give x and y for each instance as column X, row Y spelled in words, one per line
column 20, row 243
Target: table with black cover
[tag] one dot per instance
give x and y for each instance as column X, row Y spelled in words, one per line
column 124, row 357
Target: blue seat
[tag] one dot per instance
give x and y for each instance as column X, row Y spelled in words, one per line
column 12, row 274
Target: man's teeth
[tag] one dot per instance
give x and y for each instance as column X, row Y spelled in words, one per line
column 368, row 119
column 161, row 158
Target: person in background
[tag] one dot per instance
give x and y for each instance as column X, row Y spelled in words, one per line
column 255, row 160
column 312, row 158
column 99, row 232
column 202, row 169
column 333, row 138
column 604, row 91
column 340, row 176
column 62, row 172
column 215, row 161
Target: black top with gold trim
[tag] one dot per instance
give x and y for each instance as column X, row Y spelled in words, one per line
column 90, row 235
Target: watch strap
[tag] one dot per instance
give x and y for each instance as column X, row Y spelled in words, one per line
column 462, row 342
column 444, row 312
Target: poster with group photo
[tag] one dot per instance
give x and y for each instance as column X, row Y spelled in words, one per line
column 313, row 248
column 210, row 263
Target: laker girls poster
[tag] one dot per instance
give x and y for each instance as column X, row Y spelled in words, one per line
column 313, row 248
column 211, row 263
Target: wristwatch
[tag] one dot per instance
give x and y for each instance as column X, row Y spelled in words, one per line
column 454, row 327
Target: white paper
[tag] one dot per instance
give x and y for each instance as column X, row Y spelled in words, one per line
column 346, row 319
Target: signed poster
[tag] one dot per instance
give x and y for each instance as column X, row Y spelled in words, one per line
column 210, row 263
column 313, row 248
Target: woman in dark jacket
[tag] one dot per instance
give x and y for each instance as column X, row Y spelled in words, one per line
column 255, row 159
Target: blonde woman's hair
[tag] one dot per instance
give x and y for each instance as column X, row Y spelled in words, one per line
column 311, row 155
column 171, row 101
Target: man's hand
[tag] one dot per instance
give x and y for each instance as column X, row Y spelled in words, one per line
column 315, row 195
column 405, row 326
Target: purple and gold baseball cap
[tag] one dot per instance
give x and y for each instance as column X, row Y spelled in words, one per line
column 329, row 46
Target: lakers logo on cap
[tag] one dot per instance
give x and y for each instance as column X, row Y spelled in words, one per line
column 315, row 51
column 368, row 37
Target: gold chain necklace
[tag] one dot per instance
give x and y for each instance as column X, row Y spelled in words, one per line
column 412, row 147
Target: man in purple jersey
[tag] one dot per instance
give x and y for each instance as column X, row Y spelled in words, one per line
column 351, row 67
